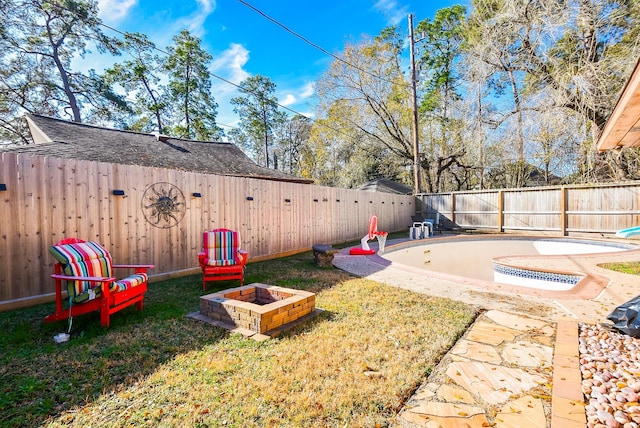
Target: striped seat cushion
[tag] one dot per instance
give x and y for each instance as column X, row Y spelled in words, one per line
column 128, row 282
column 221, row 247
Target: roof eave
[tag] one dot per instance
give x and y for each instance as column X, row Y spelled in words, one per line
column 38, row 135
column 623, row 127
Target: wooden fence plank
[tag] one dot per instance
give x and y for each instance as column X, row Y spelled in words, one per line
column 9, row 211
column 27, row 230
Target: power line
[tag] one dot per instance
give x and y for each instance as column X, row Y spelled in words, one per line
column 321, row 49
column 228, row 126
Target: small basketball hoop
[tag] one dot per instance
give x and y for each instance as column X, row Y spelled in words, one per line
column 382, row 239
column 373, row 231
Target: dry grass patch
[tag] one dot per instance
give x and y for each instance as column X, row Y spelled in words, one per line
column 632, row 268
column 355, row 365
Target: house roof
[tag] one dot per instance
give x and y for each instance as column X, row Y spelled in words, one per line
column 623, row 127
column 537, row 177
column 387, row 186
column 59, row 138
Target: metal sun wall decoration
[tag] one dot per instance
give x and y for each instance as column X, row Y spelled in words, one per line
column 163, row 205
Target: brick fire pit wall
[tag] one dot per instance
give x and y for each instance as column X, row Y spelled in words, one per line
column 258, row 307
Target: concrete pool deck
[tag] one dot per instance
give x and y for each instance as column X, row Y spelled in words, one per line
column 591, row 301
column 524, row 345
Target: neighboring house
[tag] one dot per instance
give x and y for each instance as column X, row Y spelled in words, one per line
column 387, row 186
column 70, row 140
column 537, row 177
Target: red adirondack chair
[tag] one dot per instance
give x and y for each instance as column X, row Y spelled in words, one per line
column 221, row 257
column 86, row 269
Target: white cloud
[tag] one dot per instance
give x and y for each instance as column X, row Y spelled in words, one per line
column 288, row 100
column 195, row 22
column 296, row 99
column 308, row 90
column 392, row 10
column 114, row 10
column 229, row 64
column 308, row 114
column 297, row 96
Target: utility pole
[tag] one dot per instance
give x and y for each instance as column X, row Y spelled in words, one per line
column 414, row 104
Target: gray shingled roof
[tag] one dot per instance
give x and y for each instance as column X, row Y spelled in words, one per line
column 85, row 142
column 386, row 186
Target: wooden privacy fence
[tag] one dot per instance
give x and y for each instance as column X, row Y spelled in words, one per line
column 153, row 215
column 602, row 209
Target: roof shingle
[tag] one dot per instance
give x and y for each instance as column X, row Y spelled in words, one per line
column 59, row 138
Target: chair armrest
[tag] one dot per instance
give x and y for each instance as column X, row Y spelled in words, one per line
column 201, row 258
column 83, row 278
column 243, row 255
column 137, row 268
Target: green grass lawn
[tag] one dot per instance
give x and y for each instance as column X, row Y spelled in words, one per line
column 632, row 268
column 354, row 365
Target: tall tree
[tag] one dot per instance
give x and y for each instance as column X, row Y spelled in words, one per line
column 140, row 76
column 494, row 34
column 365, row 107
column 315, row 156
column 190, row 89
column 557, row 55
column 259, row 114
column 292, row 137
column 442, row 40
column 556, row 145
column 441, row 45
column 39, row 41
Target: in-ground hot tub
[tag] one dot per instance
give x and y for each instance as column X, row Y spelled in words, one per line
column 257, row 307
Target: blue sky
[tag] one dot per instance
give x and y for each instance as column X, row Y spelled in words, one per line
column 244, row 43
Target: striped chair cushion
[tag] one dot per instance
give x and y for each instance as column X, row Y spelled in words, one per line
column 83, row 259
column 128, row 282
column 221, row 247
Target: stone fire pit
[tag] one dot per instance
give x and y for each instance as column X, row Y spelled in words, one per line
column 257, row 310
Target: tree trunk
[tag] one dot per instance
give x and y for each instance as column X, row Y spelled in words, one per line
column 187, row 117
column 518, row 107
column 480, row 137
column 156, row 111
column 66, row 84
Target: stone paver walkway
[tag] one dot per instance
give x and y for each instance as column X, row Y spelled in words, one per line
column 499, row 374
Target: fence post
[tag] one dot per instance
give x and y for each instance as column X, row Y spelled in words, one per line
column 500, row 211
column 563, row 211
column 453, row 208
